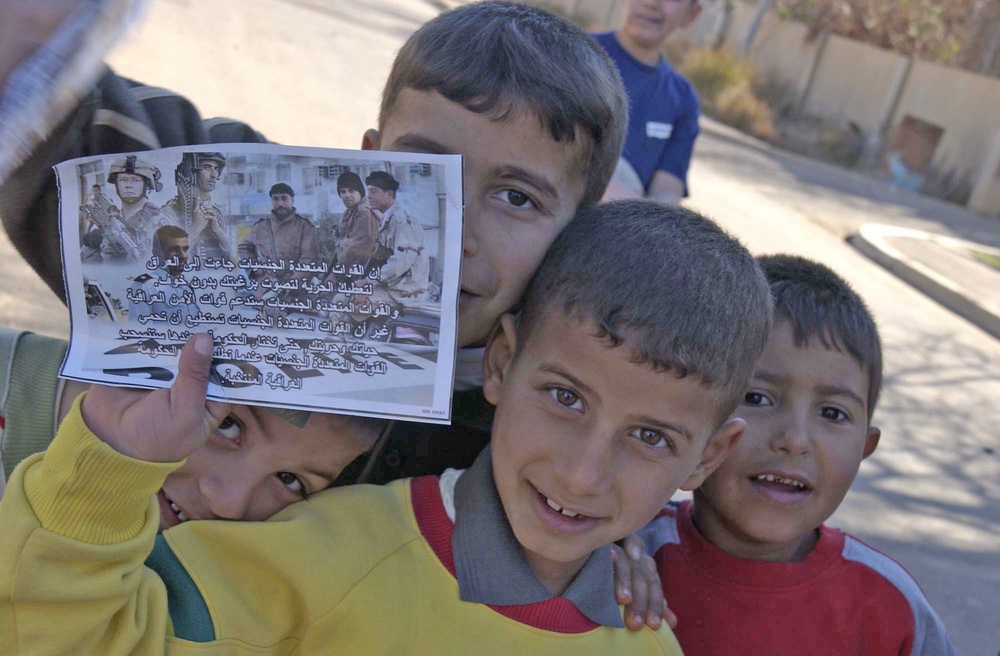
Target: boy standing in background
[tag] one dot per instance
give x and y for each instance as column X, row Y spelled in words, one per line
column 663, row 106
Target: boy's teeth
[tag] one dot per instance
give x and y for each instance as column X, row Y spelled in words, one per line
column 771, row 478
column 553, row 506
column 180, row 513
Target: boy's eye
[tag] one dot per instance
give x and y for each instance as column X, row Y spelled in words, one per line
column 833, row 414
column 516, row 198
column 230, row 428
column 653, row 438
column 756, row 399
column 293, row 483
column 565, row 397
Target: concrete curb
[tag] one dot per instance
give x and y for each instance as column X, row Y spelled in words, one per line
column 871, row 241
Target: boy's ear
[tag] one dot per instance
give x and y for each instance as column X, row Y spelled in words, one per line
column 500, row 349
column 371, row 140
column 719, row 446
column 874, row 434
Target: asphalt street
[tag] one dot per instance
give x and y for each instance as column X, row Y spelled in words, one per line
column 310, row 72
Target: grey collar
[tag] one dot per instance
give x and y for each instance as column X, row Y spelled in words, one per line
column 492, row 569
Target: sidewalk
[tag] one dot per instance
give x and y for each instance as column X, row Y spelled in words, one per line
column 926, row 242
column 943, row 268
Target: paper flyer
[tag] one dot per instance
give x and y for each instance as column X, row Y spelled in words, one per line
column 328, row 278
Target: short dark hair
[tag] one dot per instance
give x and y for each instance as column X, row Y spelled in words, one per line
column 350, row 180
column 820, row 304
column 501, row 58
column 667, row 282
column 383, row 180
column 281, row 188
column 165, row 234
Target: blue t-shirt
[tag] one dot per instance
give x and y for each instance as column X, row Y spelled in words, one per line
column 662, row 117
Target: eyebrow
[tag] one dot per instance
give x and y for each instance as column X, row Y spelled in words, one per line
column 768, row 376
column 656, row 423
column 411, row 142
column 553, row 369
column 526, row 176
column 259, row 414
column 673, row 428
column 828, row 390
column 837, row 390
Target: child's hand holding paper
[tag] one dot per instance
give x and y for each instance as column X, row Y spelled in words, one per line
column 165, row 425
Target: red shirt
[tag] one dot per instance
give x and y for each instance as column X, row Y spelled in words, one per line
column 844, row 598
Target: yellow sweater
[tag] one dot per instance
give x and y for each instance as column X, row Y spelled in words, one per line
column 356, row 570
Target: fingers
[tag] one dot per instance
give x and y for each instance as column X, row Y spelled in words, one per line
column 637, row 611
column 655, row 605
column 623, row 575
column 198, row 368
column 668, row 616
column 635, row 547
column 638, row 586
column 190, row 388
column 102, row 410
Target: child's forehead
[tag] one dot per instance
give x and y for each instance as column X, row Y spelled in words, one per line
column 578, row 350
column 426, row 121
column 820, row 360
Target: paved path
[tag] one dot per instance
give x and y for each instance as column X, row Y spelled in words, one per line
column 310, row 72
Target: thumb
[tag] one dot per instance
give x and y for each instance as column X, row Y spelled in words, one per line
column 188, row 392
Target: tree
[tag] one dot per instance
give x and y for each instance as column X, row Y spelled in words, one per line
column 934, row 30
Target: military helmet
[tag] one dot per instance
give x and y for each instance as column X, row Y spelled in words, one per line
column 218, row 157
column 132, row 164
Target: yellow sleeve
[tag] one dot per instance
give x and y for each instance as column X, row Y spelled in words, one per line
column 76, row 524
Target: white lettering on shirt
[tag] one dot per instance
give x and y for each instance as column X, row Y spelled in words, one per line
column 656, row 130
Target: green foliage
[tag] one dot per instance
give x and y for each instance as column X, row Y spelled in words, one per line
column 712, row 71
column 726, row 86
column 740, row 108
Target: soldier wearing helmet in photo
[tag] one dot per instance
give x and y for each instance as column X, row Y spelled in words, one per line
column 192, row 208
column 133, row 179
column 110, row 234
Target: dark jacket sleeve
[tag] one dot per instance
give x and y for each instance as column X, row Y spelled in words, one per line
column 118, row 116
column 413, row 449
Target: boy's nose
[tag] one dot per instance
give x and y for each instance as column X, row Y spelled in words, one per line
column 470, row 246
column 227, row 497
column 793, row 438
column 585, row 469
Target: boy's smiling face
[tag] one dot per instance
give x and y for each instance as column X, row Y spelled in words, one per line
column 649, row 22
column 587, row 445
column 521, row 189
column 807, row 433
